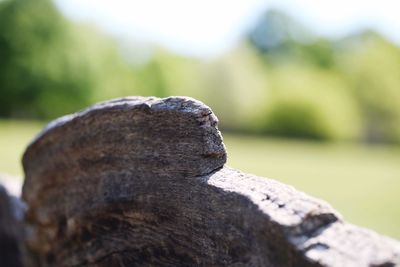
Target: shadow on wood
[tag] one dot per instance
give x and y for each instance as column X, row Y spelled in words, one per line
column 11, row 230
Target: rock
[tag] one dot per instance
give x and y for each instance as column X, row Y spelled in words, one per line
column 11, row 230
column 142, row 182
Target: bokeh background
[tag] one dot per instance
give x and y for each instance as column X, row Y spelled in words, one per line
column 307, row 92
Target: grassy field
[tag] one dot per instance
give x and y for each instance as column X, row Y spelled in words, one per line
column 14, row 137
column 362, row 182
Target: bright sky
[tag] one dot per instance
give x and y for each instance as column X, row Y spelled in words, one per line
column 209, row 27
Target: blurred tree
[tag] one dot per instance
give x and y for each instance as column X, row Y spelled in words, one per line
column 297, row 118
column 281, row 80
column 310, row 102
column 151, row 78
column 372, row 66
column 366, row 65
column 42, row 71
column 270, row 32
column 281, row 39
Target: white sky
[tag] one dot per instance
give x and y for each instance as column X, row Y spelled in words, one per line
column 209, row 27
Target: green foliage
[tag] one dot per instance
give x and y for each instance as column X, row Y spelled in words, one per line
column 110, row 73
column 282, row 80
column 349, row 88
column 373, row 72
column 310, row 103
column 319, row 53
column 50, row 66
column 294, row 118
column 42, row 73
column 151, row 78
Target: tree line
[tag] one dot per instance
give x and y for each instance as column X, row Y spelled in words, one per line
column 281, row 79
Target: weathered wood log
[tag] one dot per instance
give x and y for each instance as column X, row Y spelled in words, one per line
column 141, row 182
column 11, row 230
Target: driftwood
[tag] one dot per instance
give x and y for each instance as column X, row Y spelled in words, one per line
column 11, row 230
column 142, row 182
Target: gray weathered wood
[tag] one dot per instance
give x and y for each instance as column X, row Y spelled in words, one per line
column 11, row 230
column 141, row 182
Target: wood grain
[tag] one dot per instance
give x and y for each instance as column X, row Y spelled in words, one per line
column 142, row 182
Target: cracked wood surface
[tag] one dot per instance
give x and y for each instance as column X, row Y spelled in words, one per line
column 141, row 182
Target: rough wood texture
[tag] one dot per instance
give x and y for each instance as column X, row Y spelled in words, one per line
column 142, row 182
column 11, row 230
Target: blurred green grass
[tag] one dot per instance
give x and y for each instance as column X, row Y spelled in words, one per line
column 14, row 138
column 362, row 182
